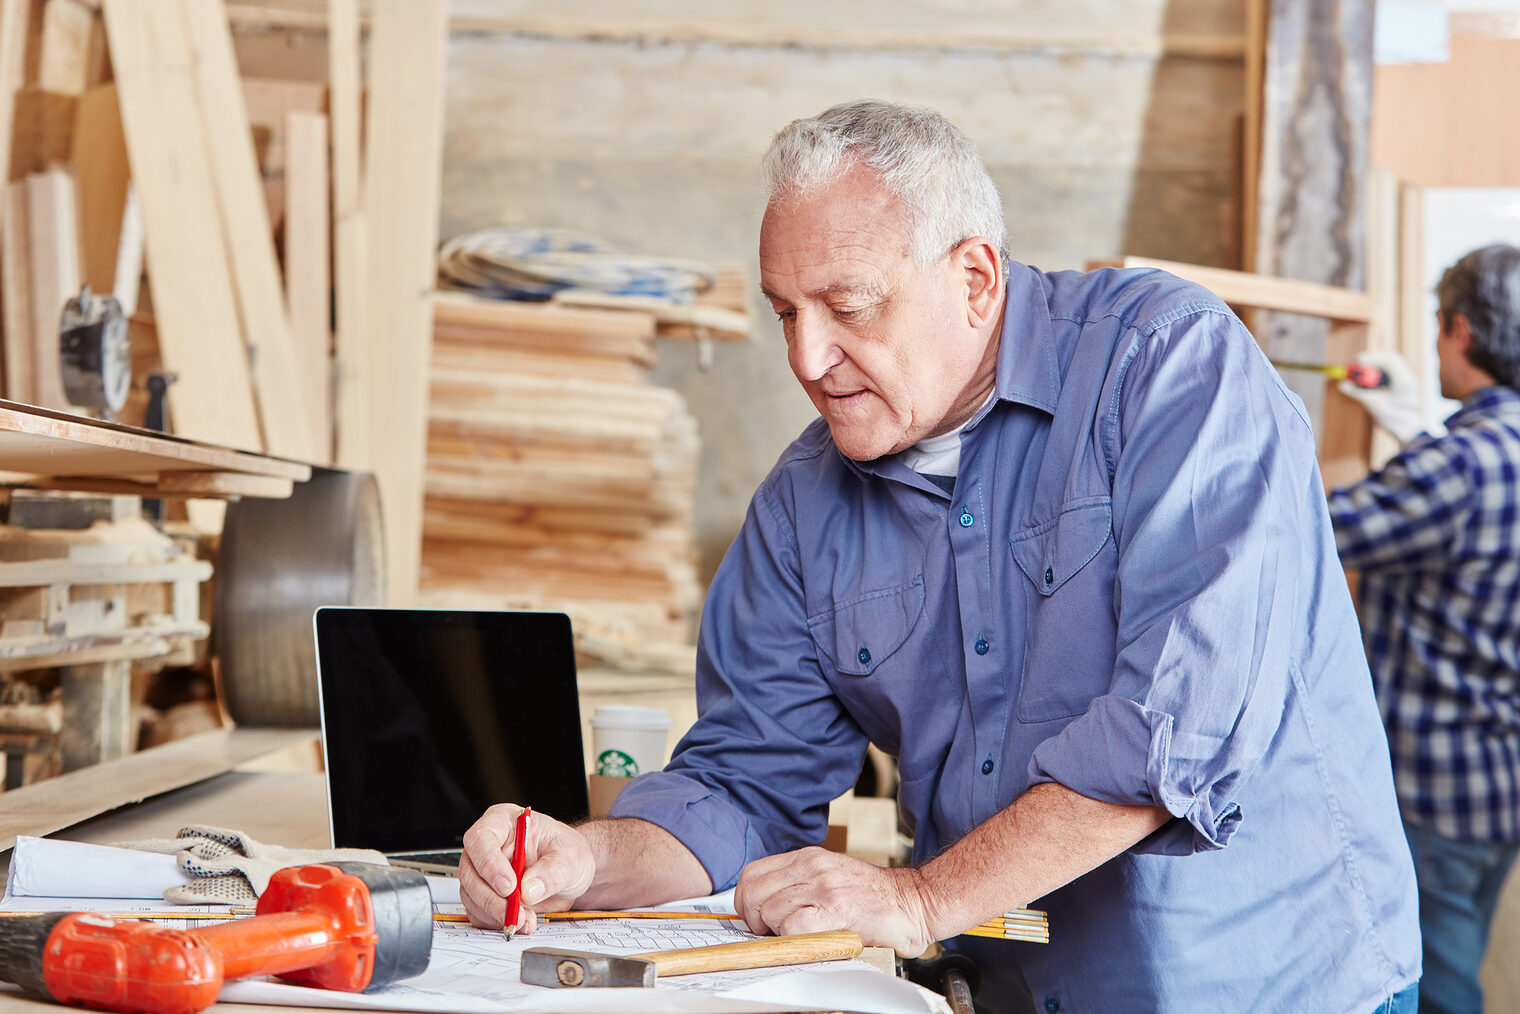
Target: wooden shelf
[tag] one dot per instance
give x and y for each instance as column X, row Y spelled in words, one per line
column 47, row 449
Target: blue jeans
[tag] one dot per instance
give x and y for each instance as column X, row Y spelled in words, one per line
column 1405, row 1001
column 1459, row 886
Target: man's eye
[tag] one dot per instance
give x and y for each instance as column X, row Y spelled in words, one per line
column 785, row 315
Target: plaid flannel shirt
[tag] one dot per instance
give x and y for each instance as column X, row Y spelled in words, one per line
column 1436, row 537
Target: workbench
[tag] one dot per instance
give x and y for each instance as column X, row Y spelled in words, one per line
column 283, row 807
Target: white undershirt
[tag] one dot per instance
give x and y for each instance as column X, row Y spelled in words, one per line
column 941, row 455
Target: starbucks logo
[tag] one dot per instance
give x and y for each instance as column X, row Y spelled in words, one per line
column 616, row 764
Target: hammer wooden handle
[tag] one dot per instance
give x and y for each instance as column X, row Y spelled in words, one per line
column 762, row 953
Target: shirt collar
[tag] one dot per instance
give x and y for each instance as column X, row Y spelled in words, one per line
column 1027, row 371
column 1488, row 401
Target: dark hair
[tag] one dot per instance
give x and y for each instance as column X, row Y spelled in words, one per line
column 1484, row 286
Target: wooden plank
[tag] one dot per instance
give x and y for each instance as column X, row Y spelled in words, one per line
column 350, row 340
column 402, row 187
column 199, row 330
column 1316, row 120
column 34, row 573
column 218, row 485
column 98, row 725
column 50, row 443
column 15, row 16
column 64, row 63
column 1255, row 78
column 1383, row 284
column 308, row 281
column 43, row 126
column 269, row 102
column 1264, row 292
column 224, row 484
column 59, row 802
column 55, row 275
column 102, row 179
column 283, row 417
column 135, row 644
column 1412, row 292
column 16, row 264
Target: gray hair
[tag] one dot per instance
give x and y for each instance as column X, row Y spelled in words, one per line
column 920, row 157
column 1484, row 286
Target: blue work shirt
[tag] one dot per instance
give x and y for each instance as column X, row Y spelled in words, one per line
column 1133, row 590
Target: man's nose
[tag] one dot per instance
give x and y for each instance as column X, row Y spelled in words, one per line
column 813, row 350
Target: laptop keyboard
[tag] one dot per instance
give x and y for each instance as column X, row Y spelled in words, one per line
column 441, row 858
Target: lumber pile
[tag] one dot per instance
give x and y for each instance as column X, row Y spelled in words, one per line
column 558, row 476
column 287, row 290
column 85, row 616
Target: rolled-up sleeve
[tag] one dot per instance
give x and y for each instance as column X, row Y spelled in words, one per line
column 1214, row 485
column 773, row 745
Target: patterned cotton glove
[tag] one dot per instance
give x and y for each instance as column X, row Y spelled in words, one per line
column 1395, row 406
column 230, row 868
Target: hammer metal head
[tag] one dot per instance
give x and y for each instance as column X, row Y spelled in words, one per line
column 558, row 967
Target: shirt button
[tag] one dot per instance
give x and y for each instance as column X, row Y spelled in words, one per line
column 966, row 519
column 1050, row 576
column 864, row 656
column 1052, row 1004
column 987, row 766
column 982, row 646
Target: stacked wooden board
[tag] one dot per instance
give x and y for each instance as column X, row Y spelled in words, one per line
column 558, row 476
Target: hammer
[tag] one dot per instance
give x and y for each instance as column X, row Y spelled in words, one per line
column 346, row 926
column 556, row 966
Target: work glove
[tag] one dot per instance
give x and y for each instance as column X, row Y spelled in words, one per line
column 230, row 868
column 1395, row 406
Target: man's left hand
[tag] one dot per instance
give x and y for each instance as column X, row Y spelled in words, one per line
column 813, row 889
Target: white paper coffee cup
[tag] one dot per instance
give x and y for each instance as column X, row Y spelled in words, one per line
column 629, row 740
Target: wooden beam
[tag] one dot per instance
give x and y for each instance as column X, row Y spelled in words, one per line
column 283, row 418
column 68, row 799
column 1265, row 292
column 16, row 264
column 68, row 49
column 169, row 485
column 35, row 573
column 402, row 185
column 102, row 179
column 199, row 330
column 54, row 244
column 98, row 724
column 50, row 443
column 15, row 16
column 42, row 131
column 308, row 280
column 225, row 484
column 351, row 350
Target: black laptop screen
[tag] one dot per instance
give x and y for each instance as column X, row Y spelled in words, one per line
column 431, row 716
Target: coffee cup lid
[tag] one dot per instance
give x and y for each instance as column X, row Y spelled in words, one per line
column 630, row 717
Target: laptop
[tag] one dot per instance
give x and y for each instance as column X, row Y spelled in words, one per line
column 429, row 716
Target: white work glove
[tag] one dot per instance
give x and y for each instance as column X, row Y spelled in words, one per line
column 1395, row 406
column 230, row 868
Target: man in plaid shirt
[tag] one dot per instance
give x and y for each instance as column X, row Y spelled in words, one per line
column 1436, row 537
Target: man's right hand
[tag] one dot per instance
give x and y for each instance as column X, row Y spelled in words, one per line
column 560, row 867
column 1395, row 406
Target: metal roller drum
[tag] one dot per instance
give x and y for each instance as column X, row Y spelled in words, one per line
column 279, row 560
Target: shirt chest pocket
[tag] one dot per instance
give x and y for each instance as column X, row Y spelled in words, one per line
column 1070, row 563
column 862, row 632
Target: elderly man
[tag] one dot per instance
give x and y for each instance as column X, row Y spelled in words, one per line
column 1436, row 536
column 1058, row 543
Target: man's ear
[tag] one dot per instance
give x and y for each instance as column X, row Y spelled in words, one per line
column 982, row 268
column 1459, row 329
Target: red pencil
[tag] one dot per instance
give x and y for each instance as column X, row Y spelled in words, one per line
column 519, row 862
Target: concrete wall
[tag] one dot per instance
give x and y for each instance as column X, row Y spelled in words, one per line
column 646, row 127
